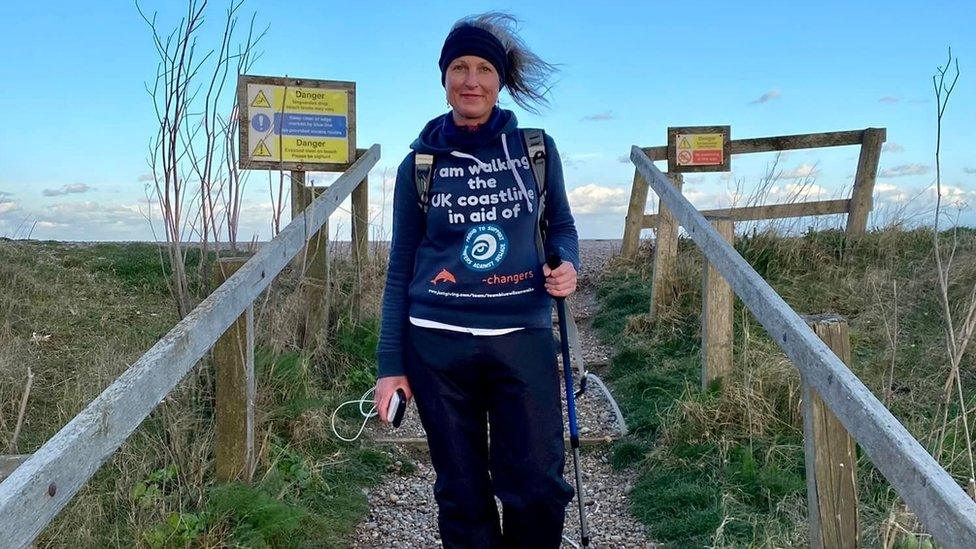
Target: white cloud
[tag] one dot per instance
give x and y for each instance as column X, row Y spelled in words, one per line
column 956, row 196
column 597, row 199
column 574, row 161
column 146, row 178
column 7, row 206
column 800, row 172
column 766, row 97
column 892, row 148
column 571, row 162
column 794, row 192
column 74, row 188
column 599, row 117
column 969, row 170
column 886, row 192
column 890, row 99
column 903, row 170
column 49, row 225
column 94, row 213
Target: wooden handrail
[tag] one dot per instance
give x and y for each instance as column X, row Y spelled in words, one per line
column 37, row 490
column 938, row 501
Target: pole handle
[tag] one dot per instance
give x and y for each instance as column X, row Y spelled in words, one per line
column 554, row 261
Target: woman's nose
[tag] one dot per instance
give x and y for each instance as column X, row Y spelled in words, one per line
column 471, row 80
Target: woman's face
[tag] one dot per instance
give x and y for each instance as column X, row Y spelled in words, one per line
column 472, row 87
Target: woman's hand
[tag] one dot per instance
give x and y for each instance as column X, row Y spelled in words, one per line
column 562, row 281
column 385, row 387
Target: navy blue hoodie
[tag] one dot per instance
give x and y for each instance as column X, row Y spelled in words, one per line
column 472, row 259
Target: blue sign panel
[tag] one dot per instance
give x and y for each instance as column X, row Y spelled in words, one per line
column 260, row 122
column 309, row 125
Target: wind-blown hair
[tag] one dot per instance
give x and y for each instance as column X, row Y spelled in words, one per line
column 528, row 77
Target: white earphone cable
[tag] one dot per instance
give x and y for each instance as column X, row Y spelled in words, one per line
column 366, row 414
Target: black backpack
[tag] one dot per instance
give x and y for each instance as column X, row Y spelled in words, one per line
column 535, row 146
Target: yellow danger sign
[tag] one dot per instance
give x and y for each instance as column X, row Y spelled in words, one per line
column 260, row 100
column 261, row 150
column 298, row 124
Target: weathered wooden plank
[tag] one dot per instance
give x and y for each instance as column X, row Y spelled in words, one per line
column 665, row 254
column 43, row 485
column 945, row 509
column 10, row 462
column 635, row 213
column 830, row 454
column 770, row 211
column 779, row 143
column 716, row 317
column 862, row 197
column 233, row 357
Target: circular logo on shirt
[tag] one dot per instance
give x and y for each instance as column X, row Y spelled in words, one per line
column 484, row 247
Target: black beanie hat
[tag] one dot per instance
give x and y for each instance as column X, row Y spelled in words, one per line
column 471, row 40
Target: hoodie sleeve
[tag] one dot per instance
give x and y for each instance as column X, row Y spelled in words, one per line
column 561, row 234
column 408, row 230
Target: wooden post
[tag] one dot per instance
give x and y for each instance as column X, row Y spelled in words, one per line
column 831, row 458
column 233, row 356
column 665, row 253
column 360, row 238
column 862, row 197
column 313, row 262
column 316, row 280
column 716, row 319
column 635, row 216
column 298, row 205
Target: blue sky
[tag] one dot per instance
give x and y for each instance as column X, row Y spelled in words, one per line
column 77, row 120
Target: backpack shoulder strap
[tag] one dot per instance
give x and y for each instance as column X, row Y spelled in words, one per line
column 535, row 147
column 422, row 167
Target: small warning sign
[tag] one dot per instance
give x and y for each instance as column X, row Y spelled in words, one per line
column 701, row 148
column 260, row 100
column 261, row 150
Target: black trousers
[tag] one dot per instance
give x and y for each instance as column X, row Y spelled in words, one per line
column 462, row 383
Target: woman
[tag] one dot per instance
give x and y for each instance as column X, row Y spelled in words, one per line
column 467, row 325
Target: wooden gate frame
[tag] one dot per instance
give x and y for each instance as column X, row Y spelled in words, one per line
column 857, row 207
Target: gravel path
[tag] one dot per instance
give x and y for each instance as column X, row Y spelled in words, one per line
column 403, row 512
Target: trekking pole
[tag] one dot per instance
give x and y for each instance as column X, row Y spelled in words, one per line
column 554, row 262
